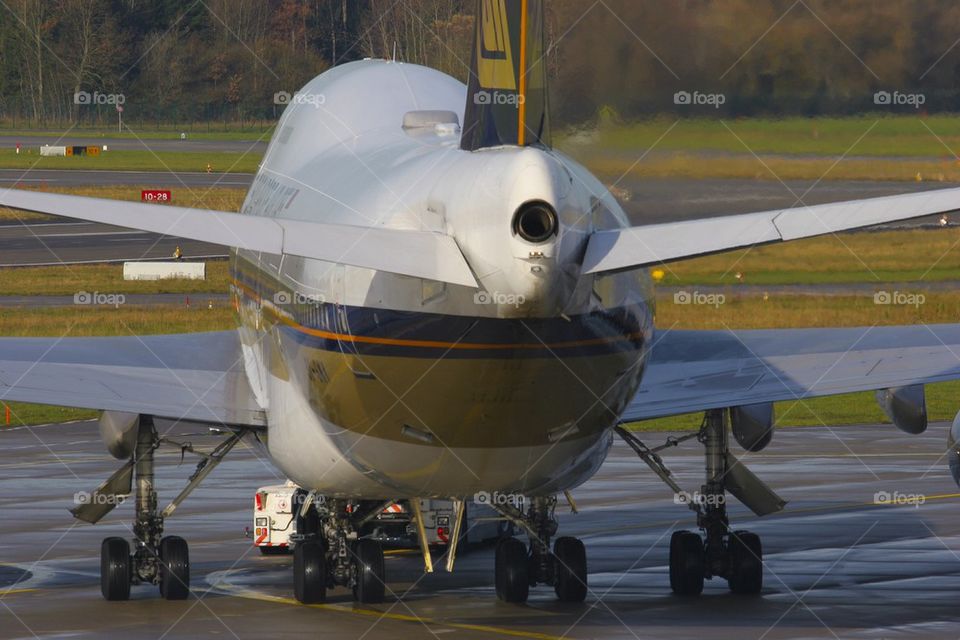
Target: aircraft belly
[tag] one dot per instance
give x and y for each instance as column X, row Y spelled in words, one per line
column 447, row 426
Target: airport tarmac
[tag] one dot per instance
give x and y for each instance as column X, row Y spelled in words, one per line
column 174, row 180
column 63, row 241
column 837, row 565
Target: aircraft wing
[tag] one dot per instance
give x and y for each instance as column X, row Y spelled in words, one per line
column 418, row 254
column 635, row 247
column 694, row 371
column 196, row 377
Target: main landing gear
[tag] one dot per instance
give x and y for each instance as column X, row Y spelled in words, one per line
column 519, row 566
column 736, row 556
column 329, row 552
column 155, row 559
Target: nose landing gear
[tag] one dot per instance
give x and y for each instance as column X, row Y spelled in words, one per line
column 519, row 567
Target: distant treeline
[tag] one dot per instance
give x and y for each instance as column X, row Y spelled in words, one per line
column 176, row 61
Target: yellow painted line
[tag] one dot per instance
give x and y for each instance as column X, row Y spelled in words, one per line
column 372, row 613
column 10, row 592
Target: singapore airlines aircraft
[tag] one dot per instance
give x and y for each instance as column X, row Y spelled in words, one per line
column 433, row 303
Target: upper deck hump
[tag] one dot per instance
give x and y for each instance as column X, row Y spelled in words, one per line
column 361, row 100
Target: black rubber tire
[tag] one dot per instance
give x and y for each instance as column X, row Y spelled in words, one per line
column 370, row 584
column 570, row 570
column 309, row 573
column 746, row 563
column 687, row 563
column 115, row 567
column 174, row 568
column 512, row 573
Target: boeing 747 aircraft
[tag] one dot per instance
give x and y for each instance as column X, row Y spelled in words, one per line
column 432, row 302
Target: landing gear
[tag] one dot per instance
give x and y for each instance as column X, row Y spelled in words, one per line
column 330, row 553
column 570, row 573
column 736, row 556
column 686, row 563
column 519, row 567
column 157, row 560
column 174, row 568
column 512, row 571
column 368, row 583
column 309, row 572
column 115, row 569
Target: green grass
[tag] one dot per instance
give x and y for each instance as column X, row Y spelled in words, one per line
column 872, row 257
column 197, row 131
column 857, row 408
column 94, row 321
column 186, row 161
column 877, row 135
column 105, row 278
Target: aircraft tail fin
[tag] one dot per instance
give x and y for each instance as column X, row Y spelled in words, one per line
column 507, row 98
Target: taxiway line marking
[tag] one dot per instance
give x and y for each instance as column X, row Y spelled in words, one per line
column 372, row 613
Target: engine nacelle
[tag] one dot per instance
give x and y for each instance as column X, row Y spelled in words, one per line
column 906, row 407
column 752, row 425
column 119, row 433
column 953, row 449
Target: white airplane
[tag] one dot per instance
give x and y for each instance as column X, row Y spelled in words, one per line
column 434, row 303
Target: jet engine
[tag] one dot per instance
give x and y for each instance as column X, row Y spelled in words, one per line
column 119, row 433
column 752, row 425
column 906, row 407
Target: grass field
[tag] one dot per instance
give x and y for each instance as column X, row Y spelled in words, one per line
column 873, row 147
column 89, row 321
column 104, row 278
column 186, row 161
column 943, row 400
column 218, row 199
column 879, row 257
column 195, row 131
column 876, row 135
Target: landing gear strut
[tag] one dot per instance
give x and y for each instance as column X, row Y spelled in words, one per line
column 159, row 560
column 518, row 567
column 332, row 554
column 164, row 561
column 736, row 556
